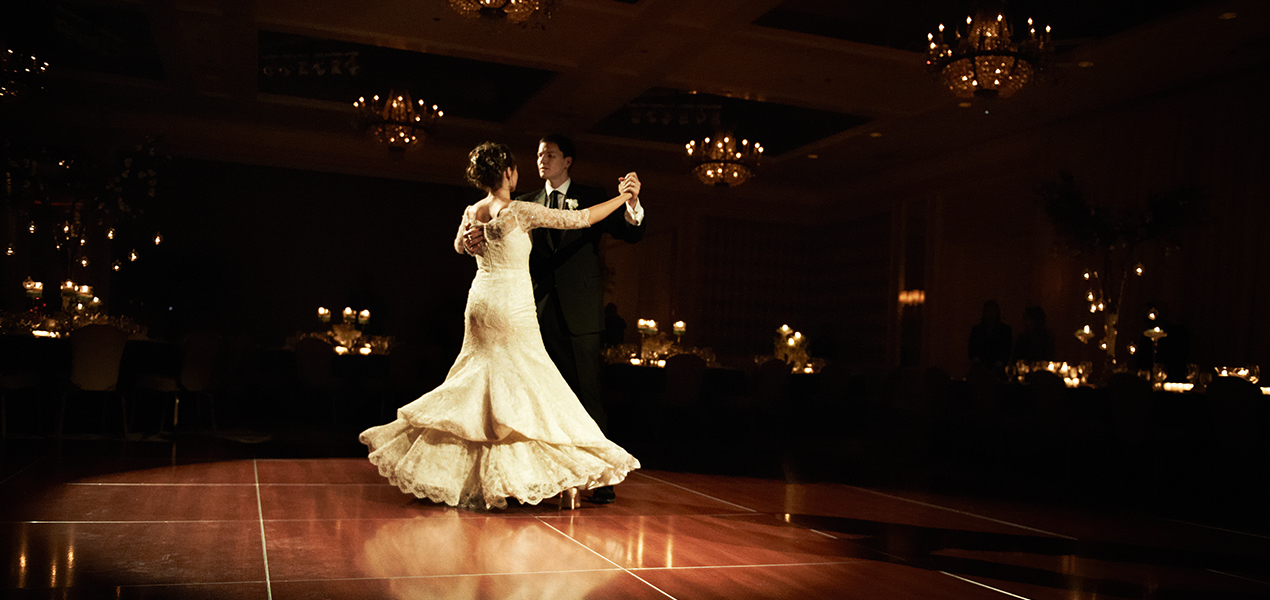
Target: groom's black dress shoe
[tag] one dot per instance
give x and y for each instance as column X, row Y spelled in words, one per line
column 602, row 495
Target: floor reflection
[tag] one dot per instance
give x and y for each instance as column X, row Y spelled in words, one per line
column 476, row 554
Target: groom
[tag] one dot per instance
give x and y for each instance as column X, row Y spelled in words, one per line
column 568, row 275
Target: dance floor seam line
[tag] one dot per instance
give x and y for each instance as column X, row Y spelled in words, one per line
column 754, row 566
column 133, row 484
column 450, row 575
column 137, row 522
column 699, row 493
column 607, row 559
column 967, row 513
column 1214, row 527
column 1238, row 576
column 985, row 586
column 264, row 545
column 21, row 471
column 562, row 515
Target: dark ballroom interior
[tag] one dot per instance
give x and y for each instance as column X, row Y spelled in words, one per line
column 930, row 342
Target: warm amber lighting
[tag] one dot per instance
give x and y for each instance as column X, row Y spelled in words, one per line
column 983, row 61
column 397, row 123
column 679, row 327
column 725, row 161
column 1085, row 334
column 511, row 11
column 912, row 297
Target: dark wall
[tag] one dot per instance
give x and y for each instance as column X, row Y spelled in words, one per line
column 256, row 250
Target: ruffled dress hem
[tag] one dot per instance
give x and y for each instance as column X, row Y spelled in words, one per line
column 437, row 465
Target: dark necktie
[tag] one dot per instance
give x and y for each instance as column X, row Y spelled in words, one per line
column 554, row 235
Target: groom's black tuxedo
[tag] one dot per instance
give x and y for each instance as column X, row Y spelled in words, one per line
column 568, row 277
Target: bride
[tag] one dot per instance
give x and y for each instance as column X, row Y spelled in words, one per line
column 504, row 424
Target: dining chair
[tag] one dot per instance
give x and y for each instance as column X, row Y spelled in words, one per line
column 194, row 378
column 96, row 353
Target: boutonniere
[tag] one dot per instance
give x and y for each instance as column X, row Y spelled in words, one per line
column 571, row 203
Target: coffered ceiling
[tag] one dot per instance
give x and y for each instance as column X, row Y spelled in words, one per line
column 835, row 90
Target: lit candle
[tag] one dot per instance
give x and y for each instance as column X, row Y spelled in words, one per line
column 680, row 327
column 341, row 350
column 324, row 314
column 365, row 350
column 363, row 317
column 348, row 314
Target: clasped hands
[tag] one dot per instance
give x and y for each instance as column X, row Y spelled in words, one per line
column 474, row 234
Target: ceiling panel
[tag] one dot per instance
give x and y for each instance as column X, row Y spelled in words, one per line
column 83, row 37
column 903, row 24
column 672, row 116
column 339, row 71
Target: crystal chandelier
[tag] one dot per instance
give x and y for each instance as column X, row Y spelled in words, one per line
column 724, row 161
column 396, row 122
column 513, row 11
column 984, row 61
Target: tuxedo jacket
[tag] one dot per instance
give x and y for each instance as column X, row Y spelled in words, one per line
column 566, row 265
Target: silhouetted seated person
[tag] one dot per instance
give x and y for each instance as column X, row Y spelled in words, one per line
column 1035, row 342
column 990, row 339
column 1172, row 351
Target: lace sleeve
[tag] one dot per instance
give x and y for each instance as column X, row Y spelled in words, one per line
column 532, row 215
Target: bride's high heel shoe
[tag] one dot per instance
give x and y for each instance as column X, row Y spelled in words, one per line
column 568, row 499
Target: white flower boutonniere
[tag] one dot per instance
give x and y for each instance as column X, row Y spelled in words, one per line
column 571, row 203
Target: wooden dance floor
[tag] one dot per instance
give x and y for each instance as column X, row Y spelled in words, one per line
column 140, row 522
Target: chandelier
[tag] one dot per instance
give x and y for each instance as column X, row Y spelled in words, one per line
column 724, row 161
column 396, row 122
column 984, row 61
column 513, row 11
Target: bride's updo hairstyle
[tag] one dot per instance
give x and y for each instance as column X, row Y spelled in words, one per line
column 487, row 163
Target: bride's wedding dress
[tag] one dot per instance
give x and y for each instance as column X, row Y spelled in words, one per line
column 504, row 424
